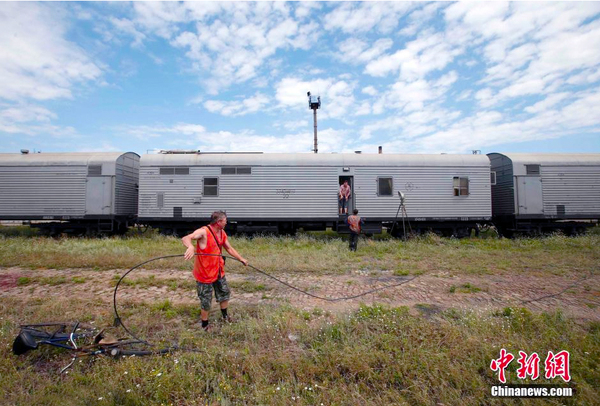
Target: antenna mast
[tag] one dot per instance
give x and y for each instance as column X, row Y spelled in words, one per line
column 314, row 102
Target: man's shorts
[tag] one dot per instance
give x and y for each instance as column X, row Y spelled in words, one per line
column 342, row 202
column 222, row 292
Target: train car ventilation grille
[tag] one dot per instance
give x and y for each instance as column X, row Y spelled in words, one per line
column 94, row 170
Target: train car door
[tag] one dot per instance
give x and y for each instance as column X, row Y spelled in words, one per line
column 98, row 195
column 529, row 195
column 352, row 201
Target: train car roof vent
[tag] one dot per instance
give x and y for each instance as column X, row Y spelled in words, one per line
column 179, row 151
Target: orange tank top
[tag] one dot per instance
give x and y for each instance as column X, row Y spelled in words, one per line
column 354, row 223
column 207, row 269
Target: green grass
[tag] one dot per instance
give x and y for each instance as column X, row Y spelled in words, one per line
column 464, row 288
column 248, row 286
column 281, row 355
column 305, row 253
column 278, row 354
column 50, row 280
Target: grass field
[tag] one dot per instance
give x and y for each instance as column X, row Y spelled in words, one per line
column 279, row 354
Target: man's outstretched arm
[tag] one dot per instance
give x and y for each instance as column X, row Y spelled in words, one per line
column 234, row 253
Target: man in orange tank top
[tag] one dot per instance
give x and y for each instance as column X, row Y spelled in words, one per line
column 209, row 270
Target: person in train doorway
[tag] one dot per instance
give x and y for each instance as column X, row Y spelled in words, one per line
column 209, row 270
column 355, row 223
column 344, row 196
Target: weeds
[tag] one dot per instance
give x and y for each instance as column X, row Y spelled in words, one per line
column 248, row 286
column 375, row 355
column 51, row 280
column 308, row 254
column 277, row 354
column 464, row 288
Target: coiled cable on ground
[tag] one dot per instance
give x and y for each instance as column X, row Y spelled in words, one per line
column 119, row 322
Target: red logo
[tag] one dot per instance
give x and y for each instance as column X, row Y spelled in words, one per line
column 529, row 366
column 501, row 363
column 556, row 365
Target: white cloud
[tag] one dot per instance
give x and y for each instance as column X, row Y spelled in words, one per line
column 305, row 9
column 294, row 125
column 464, row 95
column 547, row 103
column 364, row 109
column 32, row 120
column 196, row 137
column 428, row 53
column 529, row 50
column 356, row 51
column 415, row 94
column 230, row 42
column 370, row 90
column 238, row 108
column 489, row 128
column 126, row 26
column 366, row 16
column 485, row 97
column 26, row 113
column 144, row 132
column 37, row 61
column 162, row 18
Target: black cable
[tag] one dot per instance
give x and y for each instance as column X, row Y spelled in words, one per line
column 337, row 299
column 585, row 278
column 118, row 320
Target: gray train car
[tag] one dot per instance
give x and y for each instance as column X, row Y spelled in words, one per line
column 70, row 192
column 545, row 192
column 285, row 192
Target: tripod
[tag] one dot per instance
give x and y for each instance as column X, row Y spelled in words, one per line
column 402, row 209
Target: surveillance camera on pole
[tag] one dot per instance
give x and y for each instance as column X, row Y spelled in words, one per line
column 314, row 102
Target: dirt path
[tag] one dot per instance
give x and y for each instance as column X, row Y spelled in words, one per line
column 425, row 293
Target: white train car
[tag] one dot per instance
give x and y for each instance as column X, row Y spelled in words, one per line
column 76, row 192
column 545, row 192
column 284, row 192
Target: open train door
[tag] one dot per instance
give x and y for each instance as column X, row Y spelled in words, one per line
column 352, row 200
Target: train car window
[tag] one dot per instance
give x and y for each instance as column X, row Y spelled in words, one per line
column 461, row 186
column 493, row 178
column 385, row 186
column 94, row 170
column 175, row 171
column 532, row 169
column 211, row 187
column 236, row 171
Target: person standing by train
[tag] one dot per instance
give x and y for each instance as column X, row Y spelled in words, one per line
column 355, row 223
column 209, row 270
column 344, row 196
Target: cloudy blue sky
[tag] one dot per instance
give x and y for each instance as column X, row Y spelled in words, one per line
column 233, row 76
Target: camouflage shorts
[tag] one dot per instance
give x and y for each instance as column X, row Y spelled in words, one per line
column 222, row 292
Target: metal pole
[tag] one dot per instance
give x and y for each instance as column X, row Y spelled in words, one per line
column 315, row 116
